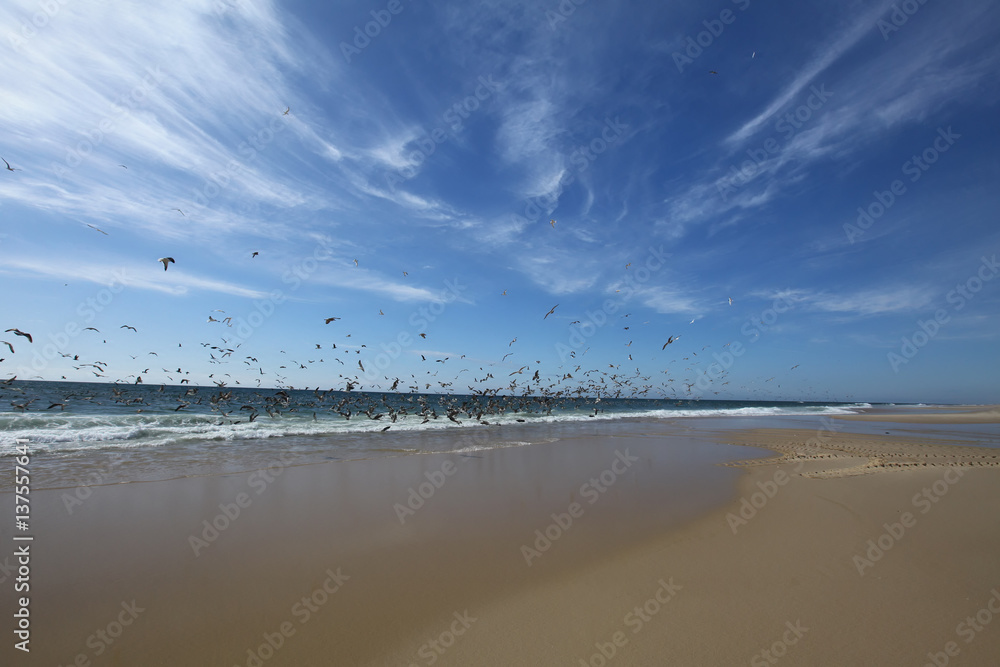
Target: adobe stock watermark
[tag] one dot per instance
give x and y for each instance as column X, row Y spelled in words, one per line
column 432, row 650
column 381, row 18
column 714, row 28
column 453, row 119
column 787, row 125
column 84, row 488
column 928, row 329
column 894, row 532
column 47, row 10
column 592, row 490
column 258, row 481
column 636, row 619
column 752, row 329
column 915, row 168
column 424, row 491
column 87, row 310
column 752, row 505
column 967, row 630
column 419, row 320
column 898, row 17
column 778, row 650
column 581, row 158
column 302, row 611
column 594, row 320
column 562, row 12
column 105, row 637
column 264, row 309
column 249, row 149
column 120, row 109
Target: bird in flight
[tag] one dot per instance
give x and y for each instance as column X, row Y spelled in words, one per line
column 179, row 211
column 287, row 110
column 669, row 341
column 552, row 222
column 255, row 253
column 551, row 311
column 8, row 345
column 405, row 274
column 730, row 301
column 331, row 319
column 355, row 262
column 9, row 168
column 100, row 230
column 18, row 332
column 504, row 293
column 712, row 71
column 125, row 326
column 166, row 261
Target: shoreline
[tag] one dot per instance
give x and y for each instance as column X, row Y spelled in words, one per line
column 502, row 556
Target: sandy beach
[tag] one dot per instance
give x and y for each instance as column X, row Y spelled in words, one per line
column 645, row 543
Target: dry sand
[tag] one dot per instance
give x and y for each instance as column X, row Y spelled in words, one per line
column 941, row 415
column 843, row 549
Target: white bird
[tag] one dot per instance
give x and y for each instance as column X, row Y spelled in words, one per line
column 166, row 261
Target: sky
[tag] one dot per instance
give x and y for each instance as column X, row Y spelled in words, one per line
column 801, row 195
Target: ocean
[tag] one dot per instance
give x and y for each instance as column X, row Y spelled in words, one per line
column 91, row 433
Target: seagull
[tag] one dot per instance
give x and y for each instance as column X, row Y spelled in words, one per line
column 712, row 71
column 355, row 262
column 553, row 223
column 423, row 335
column 551, row 311
column 179, row 211
column 332, row 319
column 125, row 326
column 287, row 110
column 669, row 341
column 92, row 329
column 254, row 254
column 18, row 332
column 100, row 230
column 515, row 340
column 8, row 345
column 730, row 301
column 166, row 260
column 123, row 166
column 405, row 274
column 504, row 293
column 9, row 168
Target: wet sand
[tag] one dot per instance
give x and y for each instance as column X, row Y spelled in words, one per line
column 831, row 549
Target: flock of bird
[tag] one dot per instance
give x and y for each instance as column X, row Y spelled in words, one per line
column 566, row 382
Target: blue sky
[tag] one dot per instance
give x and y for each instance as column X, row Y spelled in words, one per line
column 689, row 153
